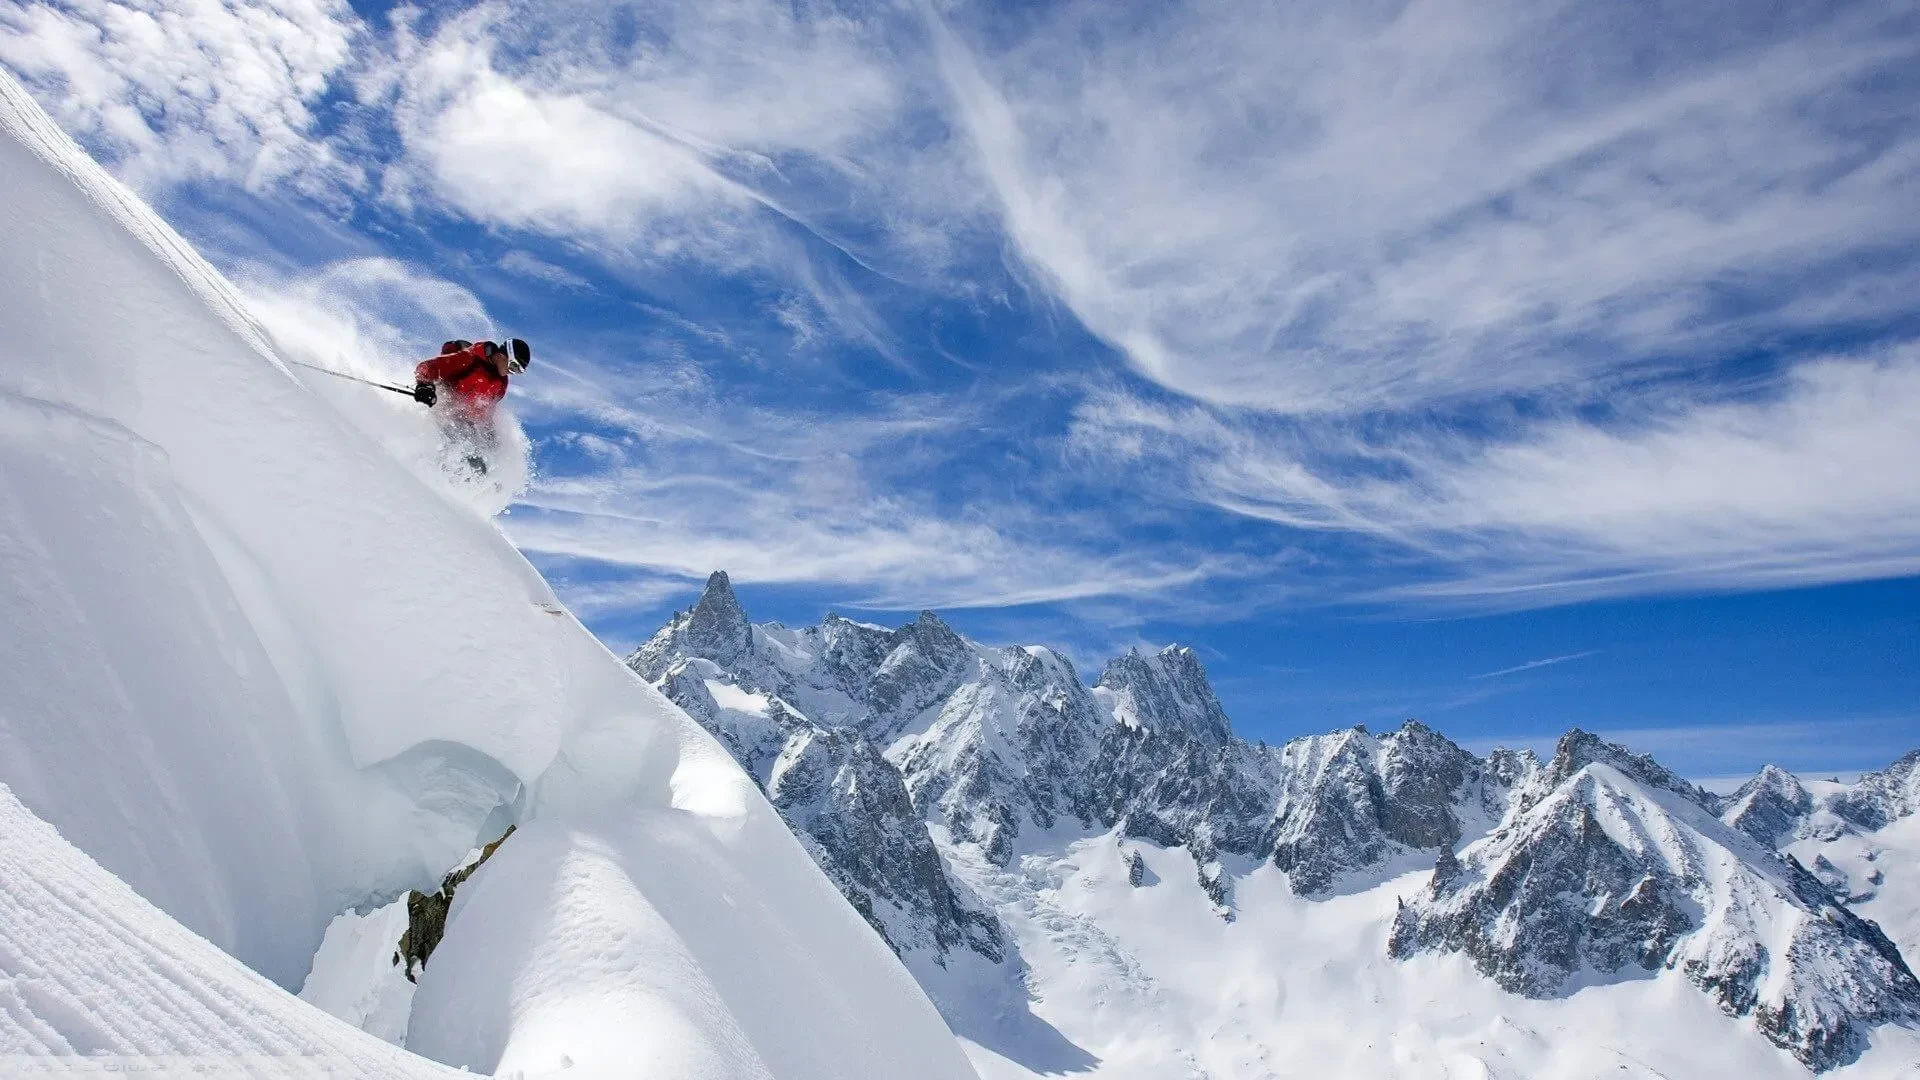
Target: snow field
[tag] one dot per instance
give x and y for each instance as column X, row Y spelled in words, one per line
column 1304, row 988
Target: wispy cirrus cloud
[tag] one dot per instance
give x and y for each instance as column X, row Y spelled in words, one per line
column 1794, row 485
column 681, row 481
column 1332, row 210
column 1533, row 665
column 1509, row 294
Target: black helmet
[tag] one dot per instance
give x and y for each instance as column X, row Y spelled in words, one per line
column 521, row 355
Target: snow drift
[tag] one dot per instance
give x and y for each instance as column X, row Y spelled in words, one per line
column 261, row 672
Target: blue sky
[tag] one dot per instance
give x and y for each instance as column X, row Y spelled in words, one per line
column 1511, row 365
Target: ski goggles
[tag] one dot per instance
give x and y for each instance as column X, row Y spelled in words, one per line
column 518, row 353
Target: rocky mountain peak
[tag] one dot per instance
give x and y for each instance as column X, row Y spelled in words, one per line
column 1513, row 769
column 1423, row 774
column 1167, row 691
column 1881, row 798
column 1577, row 749
column 1770, row 806
column 717, row 628
column 932, row 636
column 1619, row 869
column 1353, row 804
column 1598, row 863
column 926, row 661
column 1039, row 669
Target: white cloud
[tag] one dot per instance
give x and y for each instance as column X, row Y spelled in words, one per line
column 1310, row 209
column 883, row 556
column 680, row 481
column 1802, row 484
column 540, row 117
column 537, row 269
column 1350, row 235
column 1532, row 665
column 177, row 90
column 660, row 137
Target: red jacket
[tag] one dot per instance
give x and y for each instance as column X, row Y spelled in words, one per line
column 469, row 385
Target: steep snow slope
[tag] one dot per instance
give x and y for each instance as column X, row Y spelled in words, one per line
column 88, row 967
column 261, row 672
column 850, row 807
column 1878, row 872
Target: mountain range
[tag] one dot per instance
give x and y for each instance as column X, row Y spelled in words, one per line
column 951, row 790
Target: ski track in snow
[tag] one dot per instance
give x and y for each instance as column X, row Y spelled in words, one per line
column 262, row 666
column 89, row 968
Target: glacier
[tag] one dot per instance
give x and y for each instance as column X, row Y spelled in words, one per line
column 263, row 667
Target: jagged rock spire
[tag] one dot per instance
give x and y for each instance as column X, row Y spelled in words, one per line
column 1168, row 692
column 717, row 629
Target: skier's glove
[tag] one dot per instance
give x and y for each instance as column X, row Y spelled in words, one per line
column 425, row 394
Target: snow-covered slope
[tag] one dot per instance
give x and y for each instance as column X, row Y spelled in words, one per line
column 260, row 671
column 1862, row 840
column 1178, row 902
column 89, row 967
column 1613, row 865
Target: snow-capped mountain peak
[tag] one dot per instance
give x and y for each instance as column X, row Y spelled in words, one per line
column 1165, row 691
column 715, row 628
column 1770, row 806
column 1883, row 797
column 1577, row 749
column 1618, row 866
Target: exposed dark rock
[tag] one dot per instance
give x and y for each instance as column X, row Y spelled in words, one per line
column 1218, row 885
column 925, row 664
column 1352, row 802
column 715, row 629
column 1577, row 749
column 851, row 807
column 1166, row 692
column 427, row 913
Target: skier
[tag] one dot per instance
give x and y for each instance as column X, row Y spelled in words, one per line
column 464, row 383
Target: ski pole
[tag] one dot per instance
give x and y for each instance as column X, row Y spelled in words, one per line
column 407, row 390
